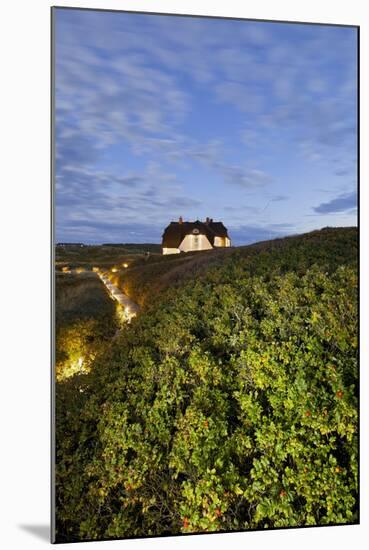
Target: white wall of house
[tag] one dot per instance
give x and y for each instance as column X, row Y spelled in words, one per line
column 171, row 250
column 195, row 242
column 222, row 241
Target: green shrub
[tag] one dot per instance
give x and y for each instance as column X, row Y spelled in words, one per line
column 230, row 404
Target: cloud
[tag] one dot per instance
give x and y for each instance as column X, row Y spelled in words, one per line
column 91, row 232
column 238, row 210
column 242, row 177
column 343, row 172
column 298, row 86
column 248, row 234
column 88, row 198
column 342, row 203
column 210, row 155
column 279, row 198
column 143, row 101
column 85, row 188
column 240, row 95
column 104, row 98
column 282, row 226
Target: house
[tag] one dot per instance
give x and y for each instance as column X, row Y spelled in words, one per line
column 189, row 236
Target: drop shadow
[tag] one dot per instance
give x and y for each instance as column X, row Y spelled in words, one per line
column 40, row 531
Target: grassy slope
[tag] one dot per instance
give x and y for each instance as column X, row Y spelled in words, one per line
column 80, row 297
column 333, row 246
column 85, row 320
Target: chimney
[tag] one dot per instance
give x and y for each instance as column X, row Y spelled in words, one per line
column 211, row 220
column 180, row 219
column 207, row 220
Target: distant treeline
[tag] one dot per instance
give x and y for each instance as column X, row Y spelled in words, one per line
column 136, row 246
column 103, row 255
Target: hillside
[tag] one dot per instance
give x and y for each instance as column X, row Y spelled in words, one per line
column 330, row 246
column 80, row 296
column 86, row 319
column 229, row 403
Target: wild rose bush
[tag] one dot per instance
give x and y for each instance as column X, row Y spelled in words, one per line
column 230, row 404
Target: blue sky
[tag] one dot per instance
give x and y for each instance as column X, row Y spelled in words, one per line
column 251, row 123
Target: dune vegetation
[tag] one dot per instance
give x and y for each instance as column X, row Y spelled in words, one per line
column 85, row 321
column 229, row 403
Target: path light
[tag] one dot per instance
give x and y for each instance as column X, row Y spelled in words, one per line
column 119, row 296
column 114, row 269
column 125, row 265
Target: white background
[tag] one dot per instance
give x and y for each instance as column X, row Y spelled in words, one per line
column 25, row 269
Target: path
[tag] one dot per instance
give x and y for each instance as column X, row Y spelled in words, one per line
column 130, row 308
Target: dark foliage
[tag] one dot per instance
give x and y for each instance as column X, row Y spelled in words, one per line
column 230, row 403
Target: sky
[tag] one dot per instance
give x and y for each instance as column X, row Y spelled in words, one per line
column 247, row 122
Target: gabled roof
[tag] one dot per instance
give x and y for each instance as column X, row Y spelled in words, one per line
column 176, row 232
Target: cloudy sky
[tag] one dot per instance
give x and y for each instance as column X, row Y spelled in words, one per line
column 251, row 123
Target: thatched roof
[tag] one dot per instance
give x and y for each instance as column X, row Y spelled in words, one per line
column 176, row 232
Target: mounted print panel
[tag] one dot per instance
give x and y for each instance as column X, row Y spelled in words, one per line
column 205, row 178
